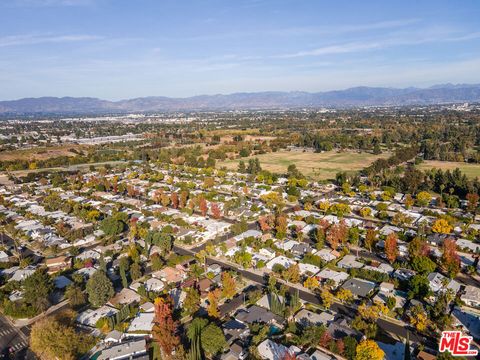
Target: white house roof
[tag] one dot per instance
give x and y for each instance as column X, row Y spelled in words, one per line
column 142, row 322
column 282, row 260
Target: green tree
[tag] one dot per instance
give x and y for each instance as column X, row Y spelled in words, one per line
column 212, row 339
column 75, row 295
column 408, row 355
column 99, row 288
column 419, row 287
column 135, row 271
column 423, row 265
column 350, row 351
column 191, row 304
column 124, row 265
column 36, row 289
column 112, row 226
column 194, row 330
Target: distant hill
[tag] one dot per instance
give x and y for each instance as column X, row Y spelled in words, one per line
column 357, row 96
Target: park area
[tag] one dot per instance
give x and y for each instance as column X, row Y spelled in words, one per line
column 315, row 166
column 40, row 153
column 471, row 170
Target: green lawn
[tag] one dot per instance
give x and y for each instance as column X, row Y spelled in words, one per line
column 318, row 166
column 471, row 170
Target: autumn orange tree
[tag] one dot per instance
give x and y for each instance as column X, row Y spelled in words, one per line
column 183, row 199
column 202, row 204
column 327, row 298
column 157, row 196
column 266, row 222
column 472, row 199
column 216, row 214
column 370, row 239
column 165, row 329
column 337, row 234
column 174, row 200
column 409, row 202
column 344, row 295
column 418, row 247
column 213, row 298
column 281, row 226
column 289, row 355
column 450, row 258
column 391, row 247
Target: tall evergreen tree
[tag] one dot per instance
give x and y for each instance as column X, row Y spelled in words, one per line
column 407, row 355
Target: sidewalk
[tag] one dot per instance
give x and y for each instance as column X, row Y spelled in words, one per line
column 26, row 322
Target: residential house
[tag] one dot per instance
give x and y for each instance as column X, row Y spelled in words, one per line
column 204, row 286
column 439, row 282
column 281, row 260
column 61, row 282
column 340, row 328
column 319, row 355
column 124, row 297
column 90, row 317
column 359, row 287
column 153, row 284
column 306, row 317
column 337, row 277
column 270, row 350
column 113, row 337
column 142, row 323
column 256, row 314
column 235, row 330
column 126, row 350
column 57, row 264
column 403, row 274
column 471, row 296
column 327, row 255
column 350, row 262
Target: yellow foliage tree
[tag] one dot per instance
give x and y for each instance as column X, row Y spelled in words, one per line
column 324, row 206
column 442, row 226
column 52, row 339
column 311, row 283
column 365, row 212
column 424, row 198
column 344, row 295
column 273, row 200
column 418, row 318
column 327, row 298
column 369, row 350
column 372, row 313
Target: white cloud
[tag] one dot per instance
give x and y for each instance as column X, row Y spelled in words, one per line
column 29, row 39
column 392, row 41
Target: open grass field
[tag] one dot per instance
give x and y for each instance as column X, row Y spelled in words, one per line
column 471, row 170
column 39, row 153
column 317, row 166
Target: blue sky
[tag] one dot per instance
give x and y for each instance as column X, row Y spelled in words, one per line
column 116, row 49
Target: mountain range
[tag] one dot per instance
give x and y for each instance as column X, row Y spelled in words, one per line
column 352, row 97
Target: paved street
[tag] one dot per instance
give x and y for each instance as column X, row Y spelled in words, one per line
column 394, row 329
column 15, row 339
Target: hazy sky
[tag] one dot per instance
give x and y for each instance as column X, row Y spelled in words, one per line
column 116, row 49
